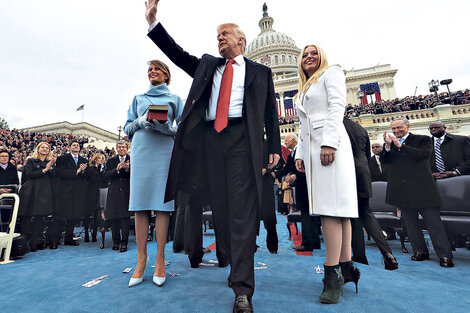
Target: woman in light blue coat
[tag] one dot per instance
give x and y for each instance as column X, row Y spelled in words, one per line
column 152, row 143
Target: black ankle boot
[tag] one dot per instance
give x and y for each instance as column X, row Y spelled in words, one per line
column 332, row 284
column 350, row 272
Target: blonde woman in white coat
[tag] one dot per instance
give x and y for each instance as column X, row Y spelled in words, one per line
column 325, row 154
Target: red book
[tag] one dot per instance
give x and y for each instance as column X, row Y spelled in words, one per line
column 158, row 112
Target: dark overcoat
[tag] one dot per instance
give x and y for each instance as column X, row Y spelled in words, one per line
column 9, row 176
column 40, row 201
column 455, row 152
column 71, row 187
column 410, row 182
column 117, row 203
column 360, row 145
column 259, row 114
column 375, row 173
column 95, row 179
column 268, row 204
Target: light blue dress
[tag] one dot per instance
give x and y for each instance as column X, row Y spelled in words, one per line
column 151, row 151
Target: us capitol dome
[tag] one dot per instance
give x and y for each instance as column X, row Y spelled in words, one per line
column 279, row 52
column 276, row 50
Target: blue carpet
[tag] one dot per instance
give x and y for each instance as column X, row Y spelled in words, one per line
column 50, row 281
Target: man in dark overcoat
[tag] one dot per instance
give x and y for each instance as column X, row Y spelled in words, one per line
column 219, row 144
column 310, row 229
column 412, row 188
column 361, row 151
column 117, row 173
column 71, row 193
column 453, row 149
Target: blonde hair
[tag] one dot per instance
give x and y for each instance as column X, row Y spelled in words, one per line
column 238, row 32
column 163, row 67
column 94, row 157
column 36, row 151
column 304, row 80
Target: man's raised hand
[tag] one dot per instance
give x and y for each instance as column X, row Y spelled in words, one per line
column 151, row 11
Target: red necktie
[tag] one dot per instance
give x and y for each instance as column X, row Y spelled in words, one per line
column 221, row 117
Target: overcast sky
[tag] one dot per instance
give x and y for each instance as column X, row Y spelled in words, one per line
column 56, row 55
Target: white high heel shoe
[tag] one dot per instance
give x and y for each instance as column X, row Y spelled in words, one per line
column 136, row 281
column 159, row 281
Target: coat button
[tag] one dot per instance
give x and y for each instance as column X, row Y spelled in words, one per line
column 194, row 101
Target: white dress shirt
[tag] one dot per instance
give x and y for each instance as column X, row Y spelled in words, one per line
column 238, row 89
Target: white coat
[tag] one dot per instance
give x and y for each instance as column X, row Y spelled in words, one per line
column 331, row 188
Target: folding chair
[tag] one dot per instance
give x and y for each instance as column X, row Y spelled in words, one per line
column 6, row 238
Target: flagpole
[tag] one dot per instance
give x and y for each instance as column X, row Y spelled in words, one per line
column 83, row 112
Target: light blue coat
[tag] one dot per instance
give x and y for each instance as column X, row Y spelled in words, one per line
column 151, row 150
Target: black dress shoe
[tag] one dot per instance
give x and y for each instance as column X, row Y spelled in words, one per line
column 390, row 262
column 303, row 249
column 116, row 246
column 242, row 305
column 53, row 246
column 446, row 262
column 71, row 243
column 123, row 247
column 418, row 256
column 223, row 263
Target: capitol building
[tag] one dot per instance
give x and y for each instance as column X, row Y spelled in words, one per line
column 280, row 53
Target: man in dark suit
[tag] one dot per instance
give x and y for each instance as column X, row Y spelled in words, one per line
column 361, row 150
column 450, row 157
column 378, row 171
column 412, row 188
column 71, row 191
column 451, row 153
column 218, row 150
column 117, row 173
column 310, row 230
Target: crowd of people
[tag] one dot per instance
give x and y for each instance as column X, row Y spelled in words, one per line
column 21, row 144
column 409, row 103
column 283, row 120
column 60, row 191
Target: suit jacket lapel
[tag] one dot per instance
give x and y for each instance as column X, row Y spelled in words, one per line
column 71, row 159
column 249, row 74
column 409, row 139
column 198, row 86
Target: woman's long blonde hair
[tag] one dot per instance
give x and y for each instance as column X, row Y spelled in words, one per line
column 36, row 151
column 304, row 80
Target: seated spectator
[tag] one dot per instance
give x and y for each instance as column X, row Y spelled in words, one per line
column 8, row 173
